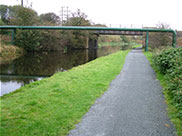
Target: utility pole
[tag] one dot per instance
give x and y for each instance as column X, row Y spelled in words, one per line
column 67, row 14
column 22, row 3
column 64, row 14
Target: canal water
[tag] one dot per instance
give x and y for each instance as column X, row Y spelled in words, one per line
column 35, row 66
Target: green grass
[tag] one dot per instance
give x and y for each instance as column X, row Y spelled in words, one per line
column 172, row 111
column 136, row 46
column 54, row 105
column 117, row 44
column 111, row 44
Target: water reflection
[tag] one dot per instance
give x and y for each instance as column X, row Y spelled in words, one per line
column 35, row 66
column 44, row 64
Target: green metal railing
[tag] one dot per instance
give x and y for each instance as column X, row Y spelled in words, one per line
column 13, row 28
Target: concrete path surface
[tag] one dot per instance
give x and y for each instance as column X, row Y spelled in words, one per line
column 132, row 106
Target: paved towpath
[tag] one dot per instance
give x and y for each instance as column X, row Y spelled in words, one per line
column 132, row 106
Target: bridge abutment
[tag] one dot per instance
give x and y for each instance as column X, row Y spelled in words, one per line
column 92, row 43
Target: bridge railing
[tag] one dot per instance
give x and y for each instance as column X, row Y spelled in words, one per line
column 147, row 30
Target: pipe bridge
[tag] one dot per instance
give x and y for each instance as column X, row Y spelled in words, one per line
column 90, row 28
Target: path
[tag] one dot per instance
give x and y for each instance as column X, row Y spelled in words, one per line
column 132, row 106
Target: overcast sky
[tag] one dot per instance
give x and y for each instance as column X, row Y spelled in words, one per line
column 118, row 13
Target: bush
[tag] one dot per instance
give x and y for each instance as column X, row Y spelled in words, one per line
column 169, row 63
column 51, row 40
column 28, row 39
column 9, row 53
column 168, row 60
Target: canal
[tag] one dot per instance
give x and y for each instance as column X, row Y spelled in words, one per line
column 35, row 66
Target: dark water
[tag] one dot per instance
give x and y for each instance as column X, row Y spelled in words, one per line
column 35, row 66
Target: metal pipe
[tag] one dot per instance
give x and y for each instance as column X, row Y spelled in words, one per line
column 86, row 28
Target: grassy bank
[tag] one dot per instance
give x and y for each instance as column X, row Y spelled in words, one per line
column 173, row 112
column 54, row 105
column 9, row 53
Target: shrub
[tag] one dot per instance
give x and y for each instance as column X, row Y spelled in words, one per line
column 9, row 53
column 51, row 41
column 169, row 63
column 28, row 39
column 168, row 60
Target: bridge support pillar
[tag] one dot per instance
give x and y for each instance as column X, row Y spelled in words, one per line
column 146, row 41
column 93, row 43
column 13, row 36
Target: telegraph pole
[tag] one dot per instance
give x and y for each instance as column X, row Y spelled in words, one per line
column 22, row 3
column 64, row 14
column 67, row 14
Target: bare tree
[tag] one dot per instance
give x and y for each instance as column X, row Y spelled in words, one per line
column 160, row 39
column 79, row 18
column 28, row 5
column 21, row 2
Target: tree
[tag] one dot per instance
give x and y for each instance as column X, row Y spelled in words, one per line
column 21, row 2
column 23, row 16
column 77, row 39
column 125, row 39
column 29, row 39
column 78, row 19
column 50, row 18
column 160, row 39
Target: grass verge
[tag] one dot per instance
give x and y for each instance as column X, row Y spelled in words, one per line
column 172, row 111
column 136, row 46
column 54, row 105
column 111, row 44
column 116, row 44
